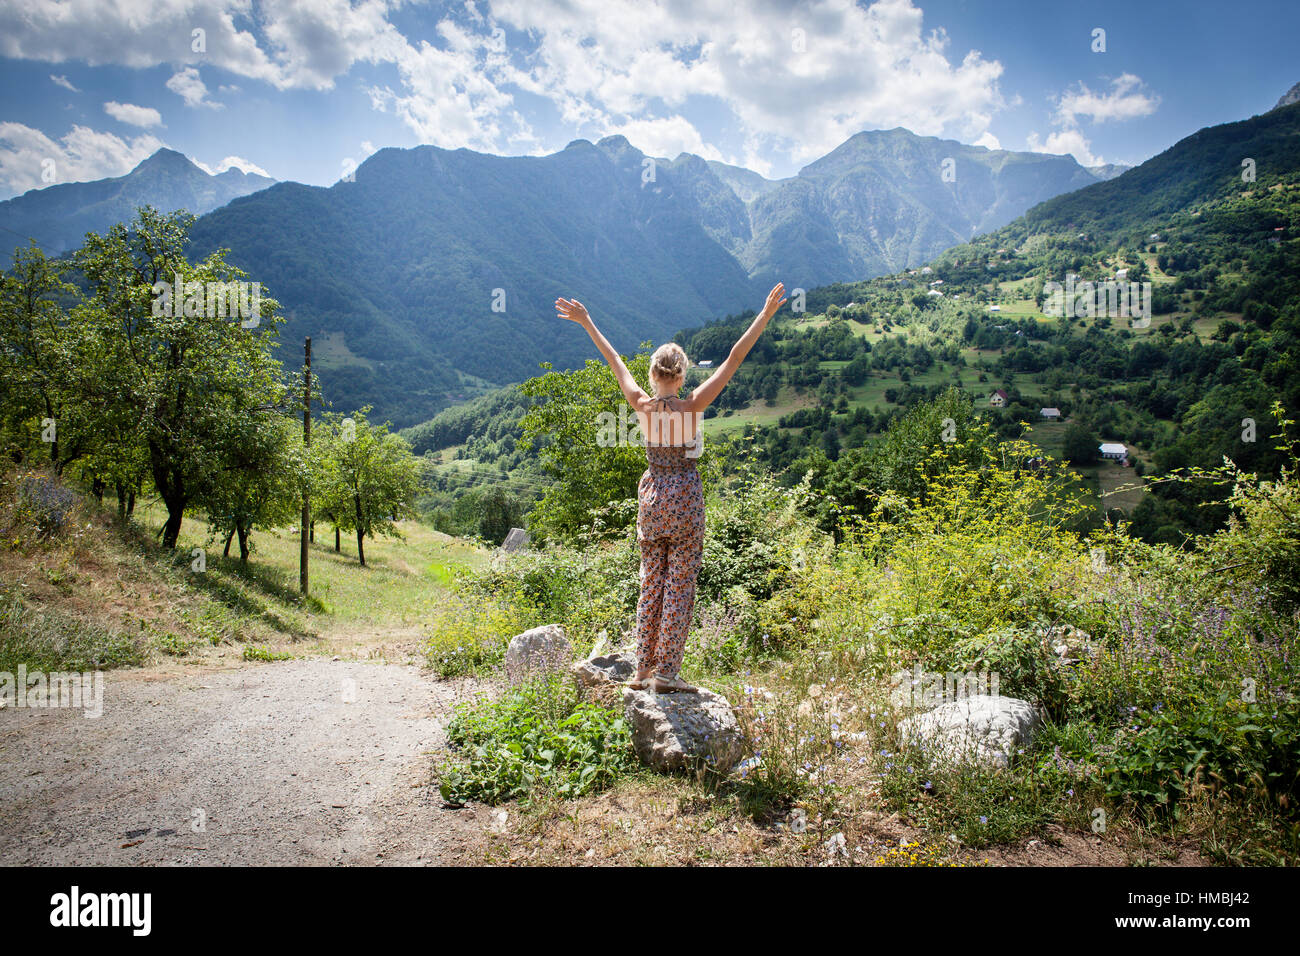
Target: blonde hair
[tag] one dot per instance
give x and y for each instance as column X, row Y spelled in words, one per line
column 669, row 361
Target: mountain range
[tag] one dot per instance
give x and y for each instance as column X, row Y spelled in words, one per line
column 59, row 216
column 435, row 271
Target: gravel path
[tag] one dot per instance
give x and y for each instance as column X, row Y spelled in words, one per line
column 307, row 761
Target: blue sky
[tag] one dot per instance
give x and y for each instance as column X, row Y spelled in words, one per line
column 301, row 89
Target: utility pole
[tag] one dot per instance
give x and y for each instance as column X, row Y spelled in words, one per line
column 306, row 497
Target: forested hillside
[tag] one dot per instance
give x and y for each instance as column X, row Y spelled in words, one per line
column 432, row 272
column 1193, row 385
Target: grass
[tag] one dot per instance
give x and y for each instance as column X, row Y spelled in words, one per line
column 106, row 595
column 400, row 586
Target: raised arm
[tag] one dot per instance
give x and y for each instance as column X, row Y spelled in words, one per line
column 703, row 396
column 575, row 311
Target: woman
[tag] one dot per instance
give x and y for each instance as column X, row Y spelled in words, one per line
column 670, row 500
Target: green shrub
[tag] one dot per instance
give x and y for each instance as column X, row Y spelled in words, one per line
column 1221, row 743
column 43, row 503
column 977, row 803
column 540, row 736
column 254, row 653
column 469, row 634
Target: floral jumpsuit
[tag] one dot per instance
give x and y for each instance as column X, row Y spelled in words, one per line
column 670, row 531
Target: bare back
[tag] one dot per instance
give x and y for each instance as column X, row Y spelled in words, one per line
column 672, row 426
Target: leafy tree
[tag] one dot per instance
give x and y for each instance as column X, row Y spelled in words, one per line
column 261, row 480
column 366, row 478
column 587, row 438
column 196, row 381
column 1080, row 445
column 46, row 360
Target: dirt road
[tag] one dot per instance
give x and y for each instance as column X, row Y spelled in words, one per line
column 306, row 761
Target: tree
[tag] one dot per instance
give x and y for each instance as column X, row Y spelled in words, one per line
column 370, row 479
column 488, row 512
column 45, row 361
column 192, row 377
column 586, row 436
column 930, row 439
column 1081, row 445
column 260, row 483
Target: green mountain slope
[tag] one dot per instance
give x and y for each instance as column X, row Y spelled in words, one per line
column 402, row 267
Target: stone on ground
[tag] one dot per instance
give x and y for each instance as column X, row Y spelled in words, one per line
column 542, row 649
column 613, row 668
column 683, row 731
column 981, row 729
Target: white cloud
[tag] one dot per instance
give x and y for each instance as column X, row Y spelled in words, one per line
column 188, row 85
column 133, row 33
column 1124, row 101
column 988, row 140
column 64, row 82
column 231, row 162
column 1071, row 141
column 144, row 116
column 665, row 138
column 860, row 68
column 80, row 155
column 797, row 81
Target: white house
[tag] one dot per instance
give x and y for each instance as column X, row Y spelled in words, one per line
column 926, row 271
column 998, row 399
column 1050, row 413
column 705, row 364
column 1121, row 273
column 995, row 308
column 1114, row 450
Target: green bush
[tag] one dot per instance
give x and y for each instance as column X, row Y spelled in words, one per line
column 1223, row 743
column 541, row 736
column 43, row 503
column 469, row 634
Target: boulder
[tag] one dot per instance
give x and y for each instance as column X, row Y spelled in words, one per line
column 613, row 668
column 983, row 729
column 542, row 649
column 682, row 731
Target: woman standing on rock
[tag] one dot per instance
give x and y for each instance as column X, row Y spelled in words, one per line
column 670, row 499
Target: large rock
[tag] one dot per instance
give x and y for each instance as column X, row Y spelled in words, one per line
column 542, row 649
column 606, row 669
column 983, row 729
column 682, row 731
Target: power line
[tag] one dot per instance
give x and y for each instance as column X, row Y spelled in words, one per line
column 45, row 245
